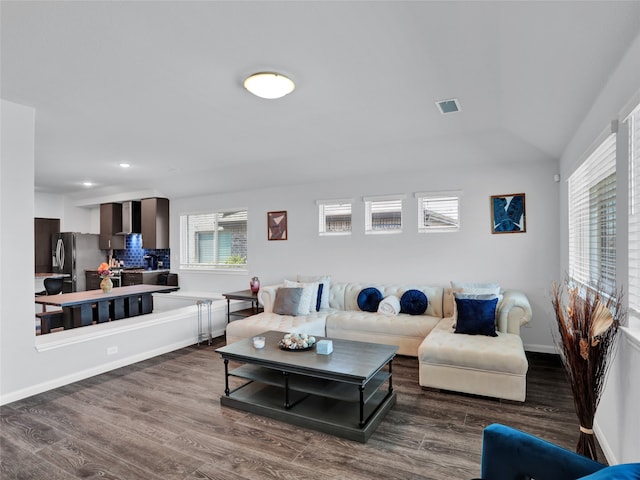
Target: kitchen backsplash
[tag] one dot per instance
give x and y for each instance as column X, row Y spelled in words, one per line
column 134, row 254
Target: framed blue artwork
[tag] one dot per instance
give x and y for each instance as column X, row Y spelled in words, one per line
column 508, row 213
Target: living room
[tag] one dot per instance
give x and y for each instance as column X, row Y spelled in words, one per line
column 471, row 166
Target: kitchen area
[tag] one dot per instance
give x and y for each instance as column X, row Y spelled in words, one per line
column 134, row 265
column 133, row 241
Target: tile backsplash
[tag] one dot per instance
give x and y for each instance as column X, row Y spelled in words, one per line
column 134, row 254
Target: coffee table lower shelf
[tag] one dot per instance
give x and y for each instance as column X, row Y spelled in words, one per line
column 335, row 417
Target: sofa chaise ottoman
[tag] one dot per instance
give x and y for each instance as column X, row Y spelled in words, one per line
column 479, row 364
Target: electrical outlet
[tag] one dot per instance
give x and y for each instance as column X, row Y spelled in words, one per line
column 112, row 350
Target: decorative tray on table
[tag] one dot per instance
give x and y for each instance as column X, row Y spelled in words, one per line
column 297, row 342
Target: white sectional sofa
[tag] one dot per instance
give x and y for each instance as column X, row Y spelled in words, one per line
column 476, row 364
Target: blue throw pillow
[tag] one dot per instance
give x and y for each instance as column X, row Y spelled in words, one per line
column 413, row 302
column 319, row 299
column 476, row 317
column 624, row 471
column 369, row 299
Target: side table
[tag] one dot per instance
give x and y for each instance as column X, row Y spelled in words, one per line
column 247, row 296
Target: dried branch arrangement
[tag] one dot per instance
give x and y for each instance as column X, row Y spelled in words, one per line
column 588, row 321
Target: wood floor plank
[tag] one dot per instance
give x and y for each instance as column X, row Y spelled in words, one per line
column 19, row 463
column 83, row 460
column 162, row 419
column 28, row 432
column 242, row 459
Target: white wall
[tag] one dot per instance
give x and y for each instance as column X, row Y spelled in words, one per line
column 72, row 218
column 27, row 366
column 526, row 261
column 617, row 420
column 47, row 205
column 16, row 241
column 617, row 425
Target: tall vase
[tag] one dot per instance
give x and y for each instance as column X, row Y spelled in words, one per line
column 106, row 285
column 254, row 284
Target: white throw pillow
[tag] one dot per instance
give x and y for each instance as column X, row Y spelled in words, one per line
column 476, row 288
column 389, row 305
column 309, row 295
column 325, row 280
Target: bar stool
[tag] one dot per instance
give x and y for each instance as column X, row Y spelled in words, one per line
column 50, row 319
column 52, row 286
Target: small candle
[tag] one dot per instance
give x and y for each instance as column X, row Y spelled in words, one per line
column 258, row 342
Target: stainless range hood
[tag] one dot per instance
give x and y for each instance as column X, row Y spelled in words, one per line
column 131, row 218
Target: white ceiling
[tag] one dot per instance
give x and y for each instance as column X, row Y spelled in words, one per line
column 159, row 85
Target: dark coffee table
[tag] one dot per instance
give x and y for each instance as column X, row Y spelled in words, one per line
column 342, row 394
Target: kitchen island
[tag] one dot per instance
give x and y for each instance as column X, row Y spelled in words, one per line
column 83, row 308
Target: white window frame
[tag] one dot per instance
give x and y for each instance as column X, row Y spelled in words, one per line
column 343, row 205
column 633, row 123
column 444, row 205
column 188, row 247
column 373, row 205
column 592, row 218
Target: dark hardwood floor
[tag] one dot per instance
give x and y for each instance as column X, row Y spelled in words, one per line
column 162, row 419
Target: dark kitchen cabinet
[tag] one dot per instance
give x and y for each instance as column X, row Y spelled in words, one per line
column 148, row 277
column 155, row 223
column 44, row 228
column 132, row 278
column 110, row 224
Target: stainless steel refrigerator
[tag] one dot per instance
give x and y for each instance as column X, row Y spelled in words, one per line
column 73, row 253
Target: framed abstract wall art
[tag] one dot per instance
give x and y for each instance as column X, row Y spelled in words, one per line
column 508, row 213
column 277, row 225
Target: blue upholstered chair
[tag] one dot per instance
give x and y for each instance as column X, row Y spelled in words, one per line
column 509, row 454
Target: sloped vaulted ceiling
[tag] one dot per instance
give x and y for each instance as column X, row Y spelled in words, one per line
column 159, row 85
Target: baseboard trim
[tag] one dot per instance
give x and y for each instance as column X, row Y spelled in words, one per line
column 541, row 348
column 90, row 372
column 604, row 444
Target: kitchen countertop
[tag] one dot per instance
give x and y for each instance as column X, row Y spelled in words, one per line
column 51, row 275
column 93, row 296
column 136, row 270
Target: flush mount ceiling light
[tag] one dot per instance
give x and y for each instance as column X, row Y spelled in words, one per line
column 269, row 85
column 449, row 106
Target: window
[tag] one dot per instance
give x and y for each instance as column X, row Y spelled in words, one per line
column 383, row 214
column 215, row 240
column 592, row 218
column 633, row 122
column 334, row 217
column 438, row 212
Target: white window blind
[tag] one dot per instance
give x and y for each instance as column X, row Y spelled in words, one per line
column 633, row 122
column 592, row 218
column 383, row 215
column 438, row 212
column 334, row 217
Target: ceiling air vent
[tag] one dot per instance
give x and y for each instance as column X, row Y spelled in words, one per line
column 448, row 106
